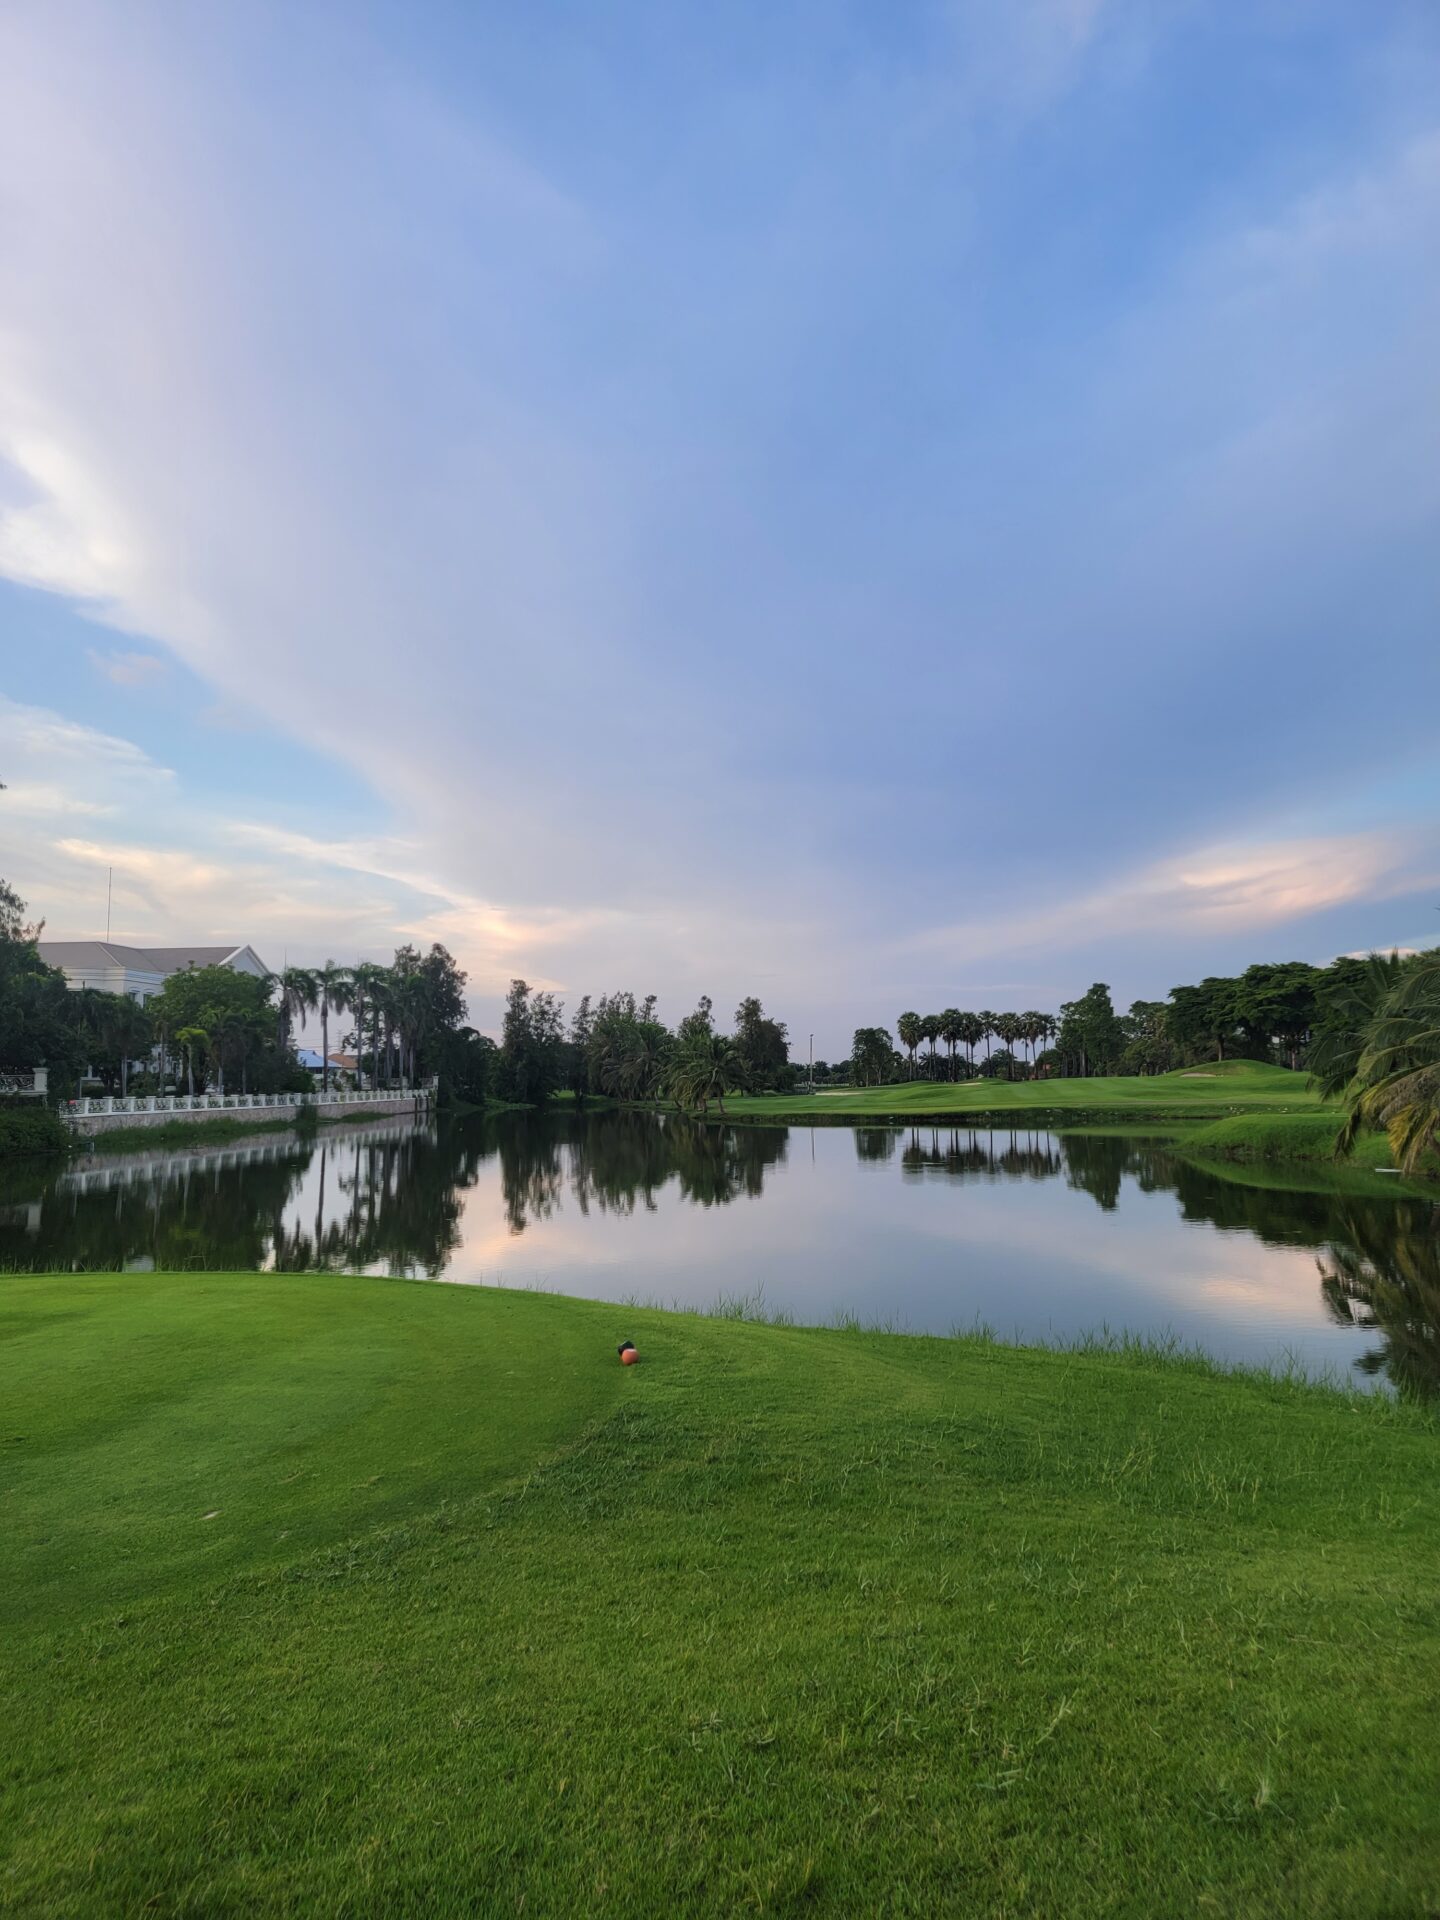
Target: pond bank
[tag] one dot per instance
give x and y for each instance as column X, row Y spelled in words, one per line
column 860, row 1623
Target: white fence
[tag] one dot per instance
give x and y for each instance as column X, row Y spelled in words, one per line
column 183, row 1103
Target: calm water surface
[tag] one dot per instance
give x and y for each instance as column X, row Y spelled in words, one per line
column 928, row 1228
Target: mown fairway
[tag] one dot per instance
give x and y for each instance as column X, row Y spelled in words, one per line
column 776, row 1621
column 1231, row 1086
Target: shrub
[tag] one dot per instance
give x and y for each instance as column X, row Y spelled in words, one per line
column 31, row 1130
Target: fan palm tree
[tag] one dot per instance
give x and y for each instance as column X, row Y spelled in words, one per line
column 332, row 986
column 972, row 1032
column 1010, row 1029
column 952, row 1032
column 988, row 1029
column 930, row 1031
column 910, row 1028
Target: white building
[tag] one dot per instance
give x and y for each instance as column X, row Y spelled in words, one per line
column 139, row 971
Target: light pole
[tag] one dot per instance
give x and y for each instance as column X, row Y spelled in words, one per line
column 812, row 1063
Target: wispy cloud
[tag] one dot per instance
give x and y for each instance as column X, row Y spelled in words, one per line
column 717, row 532
column 128, row 669
column 1229, row 889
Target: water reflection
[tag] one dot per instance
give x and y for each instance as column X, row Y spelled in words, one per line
column 932, row 1225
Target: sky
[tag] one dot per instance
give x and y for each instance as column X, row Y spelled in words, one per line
column 875, row 505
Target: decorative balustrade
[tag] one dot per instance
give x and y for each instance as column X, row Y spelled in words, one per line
column 32, row 1085
column 183, row 1103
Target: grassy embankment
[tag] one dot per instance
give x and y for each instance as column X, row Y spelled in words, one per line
column 1192, row 1093
column 1236, row 1111
column 326, row 1595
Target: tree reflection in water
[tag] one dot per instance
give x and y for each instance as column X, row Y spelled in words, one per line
column 388, row 1196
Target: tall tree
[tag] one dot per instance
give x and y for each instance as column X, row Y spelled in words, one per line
column 911, row 1031
column 930, row 1033
column 296, row 995
column 952, row 1032
column 972, row 1032
column 763, row 1044
column 871, row 1053
column 987, row 1029
column 366, row 980
column 332, row 987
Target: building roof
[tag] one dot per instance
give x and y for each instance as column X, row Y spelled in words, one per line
column 93, row 955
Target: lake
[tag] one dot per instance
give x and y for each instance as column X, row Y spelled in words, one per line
column 926, row 1228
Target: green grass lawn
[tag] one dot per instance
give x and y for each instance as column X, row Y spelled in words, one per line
column 1191, row 1093
column 323, row 1596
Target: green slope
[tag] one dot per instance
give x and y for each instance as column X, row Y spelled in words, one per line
column 1192, row 1093
column 777, row 1621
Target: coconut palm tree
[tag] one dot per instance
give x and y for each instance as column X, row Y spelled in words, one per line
column 366, row 979
column 332, row 986
column 910, row 1029
column 296, row 995
column 706, row 1068
column 1395, row 1085
column 194, row 1043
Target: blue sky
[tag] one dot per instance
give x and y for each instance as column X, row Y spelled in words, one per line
column 874, row 505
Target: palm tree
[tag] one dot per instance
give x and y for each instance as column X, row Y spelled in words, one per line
column 988, row 1030
column 1395, row 1085
column 1350, row 1013
column 910, row 1028
column 193, row 1041
column 972, row 1032
column 298, row 994
column 1008, row 1028
column 952, row 1032
column 366, row 979
column 706, row 1068
column 1032, row 1031
column 930, row 1029
column 383, row 995
column 410, row 1006
column 332, row 984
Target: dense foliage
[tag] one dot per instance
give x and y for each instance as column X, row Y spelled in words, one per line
column 616, row 1047
column 216, row 1028
column 1287, row 1012
column 30, row 1130
column 1383, row 1054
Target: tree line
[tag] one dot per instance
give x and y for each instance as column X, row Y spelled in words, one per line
column 214, row 1028
column 617, row 1046
column 1276, row 1011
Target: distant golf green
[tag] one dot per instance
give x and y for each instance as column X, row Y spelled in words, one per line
column 323, row 1595
column 1190, row 1093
